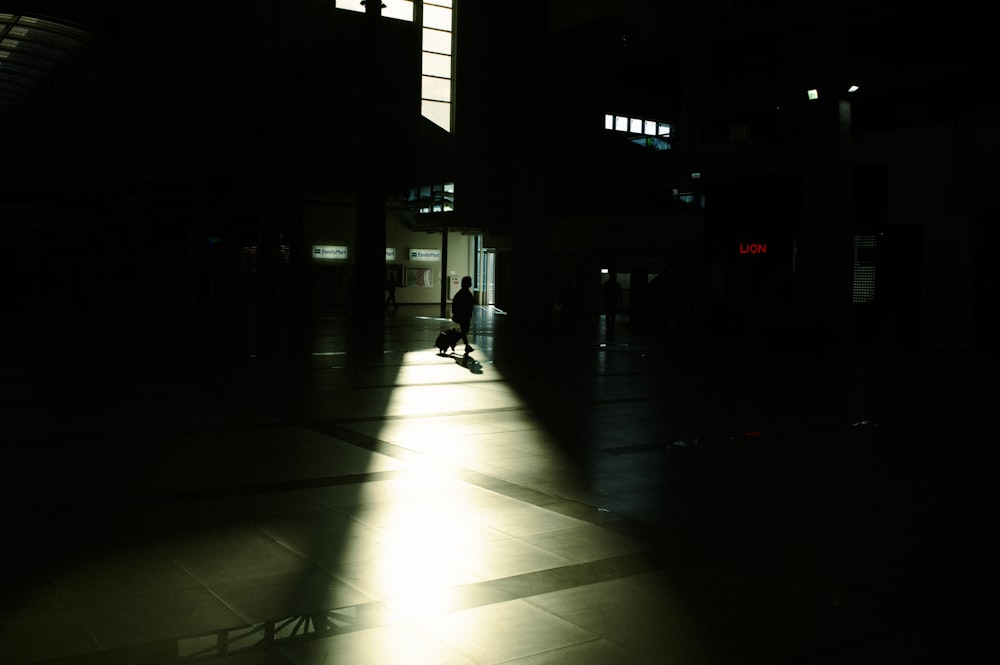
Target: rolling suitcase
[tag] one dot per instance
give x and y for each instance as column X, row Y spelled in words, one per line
column 447, row 340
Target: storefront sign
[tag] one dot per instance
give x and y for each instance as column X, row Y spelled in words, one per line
column 753, row 248
column 330, row 252
column 425, row 254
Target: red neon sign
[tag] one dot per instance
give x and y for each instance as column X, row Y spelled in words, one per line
column 753, row 248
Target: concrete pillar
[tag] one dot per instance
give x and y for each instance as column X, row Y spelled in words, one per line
column 369, row 255
column 444, row 272
column 531, row 238
column 198, row 287
column 268, row 258
column 826, row 262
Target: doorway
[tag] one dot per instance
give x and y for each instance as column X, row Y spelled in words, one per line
column 485, row 277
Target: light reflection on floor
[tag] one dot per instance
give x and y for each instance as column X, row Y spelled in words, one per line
column 413, row 509
column 433, row 536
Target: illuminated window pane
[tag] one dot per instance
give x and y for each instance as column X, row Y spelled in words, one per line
column 609, row 121
column 437, row 17
column 398, row 9
column 436, row 85
column 435, row 64
column 436, row 47
column 621, row 123
column 437, row 112
column 649, row 127
column 635, row 125
column 664, row 129
column 436, row 88
column 437, row 41
column 350, row 5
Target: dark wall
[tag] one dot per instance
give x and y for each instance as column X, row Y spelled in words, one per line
column 175, row 86
column 745, row 211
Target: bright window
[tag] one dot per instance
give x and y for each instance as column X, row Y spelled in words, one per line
column 397, row 9
column 436, row 89
column 436, row 41
column 437, row 65
column 436, row 48
column 438, row 18
column 645, row 131
column 432, row 198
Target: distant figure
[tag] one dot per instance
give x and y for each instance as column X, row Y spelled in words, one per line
column 461, row 310
column 390, row 287
column 612, row 291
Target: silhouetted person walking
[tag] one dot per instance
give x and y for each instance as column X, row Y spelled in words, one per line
column 390, row 287
column 612, row 292
column 461, row 310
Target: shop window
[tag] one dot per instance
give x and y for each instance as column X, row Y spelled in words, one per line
column 645, row 132
column 432, row 198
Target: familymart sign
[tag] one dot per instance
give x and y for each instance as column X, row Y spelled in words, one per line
column 330, row 252
column 425, row 254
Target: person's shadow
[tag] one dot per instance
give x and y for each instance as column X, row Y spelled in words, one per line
column 468, row 362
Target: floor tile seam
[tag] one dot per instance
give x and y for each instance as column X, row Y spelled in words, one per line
column 171, row 645
column 553, row 502
column 268, row 626
column 593, row 640
column 593, row 575
column 320, row 423
column 426, row 384
column 253, row 489
column 82, row 607
column 86, row 627
column 484, row 481
column 61, row 438
column 206, row 585
column 871, row 634
column 545, row 500
column 461, row 472
column 506, row 379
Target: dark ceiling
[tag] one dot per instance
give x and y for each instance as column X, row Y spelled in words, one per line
column 156, row 89
column 103, row 91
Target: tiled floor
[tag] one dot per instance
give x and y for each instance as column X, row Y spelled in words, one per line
column 612, row 501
